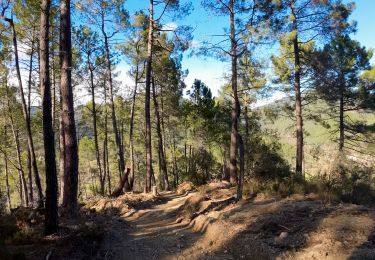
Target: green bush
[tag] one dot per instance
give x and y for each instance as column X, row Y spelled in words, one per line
column 264, row 160
column 201, row 166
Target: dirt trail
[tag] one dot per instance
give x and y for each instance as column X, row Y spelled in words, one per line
column 151, row 233
column 292, row 228
column 208, row 225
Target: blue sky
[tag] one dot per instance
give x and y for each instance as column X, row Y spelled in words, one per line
column 205, row 25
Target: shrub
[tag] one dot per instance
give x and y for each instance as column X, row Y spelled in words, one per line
column 264, row 160
column 345, row 180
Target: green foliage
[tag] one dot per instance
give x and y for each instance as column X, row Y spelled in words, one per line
column 201, row 167
column 265, row 161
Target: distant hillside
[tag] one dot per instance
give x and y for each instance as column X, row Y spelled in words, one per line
column 319, row 136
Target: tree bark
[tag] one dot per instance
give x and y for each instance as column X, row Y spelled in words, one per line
column 297, row 90
column 235, row 102
column 51, row 216
column 162, row 161
column 148, row 144
column 69, row 181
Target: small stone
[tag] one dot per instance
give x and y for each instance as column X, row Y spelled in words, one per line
column 283, row 235
column 180, row 246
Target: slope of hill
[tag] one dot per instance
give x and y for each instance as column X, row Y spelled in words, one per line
column 321, row 131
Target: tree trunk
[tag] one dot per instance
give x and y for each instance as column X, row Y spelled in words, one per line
column 120, row 186
column 297, row 90
column 341, row 121
column 51, row 216
column 174, row 158
column 53, row 90
column 186, row 159
column 7, row 173
column 131, row 130
column 162, row 161
column 21, row 174
column 148, row 144
column 242, row 168
column 26, row 117
column 69, row 181
column 105, row 144
column 22, row 181
column 29, row 164
column 119, row 148
column 235, row 102
column 97, row 153
column 247, row 130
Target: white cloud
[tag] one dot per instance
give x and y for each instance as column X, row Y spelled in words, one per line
column 170, row 26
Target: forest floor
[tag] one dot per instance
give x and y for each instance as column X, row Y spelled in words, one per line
column 208, row 224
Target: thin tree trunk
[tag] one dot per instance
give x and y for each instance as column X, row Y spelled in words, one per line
column 242, row 168
column 97, row 153
column 174, row 157
column 22, row 181
column 69, row 181
column 131, row 130
column 7, row 173
column 297, row 90
column 26, row 116
column 162, row 161
column 186, row 159
column 21, row 174
column 235, row 102
column 29, row 164
column 53, row 90
column 51, row 216
column 105, row 144
column 247, row 130
column 119, row 149
column 162, row 122
column 30, row 178
column 148, row 144
column 341, row 121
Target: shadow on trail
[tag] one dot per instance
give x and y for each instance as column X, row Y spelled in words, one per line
column 151, row 232
column 266, row 229
column 273, row 228
column 366, row 250
column 276, row 229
